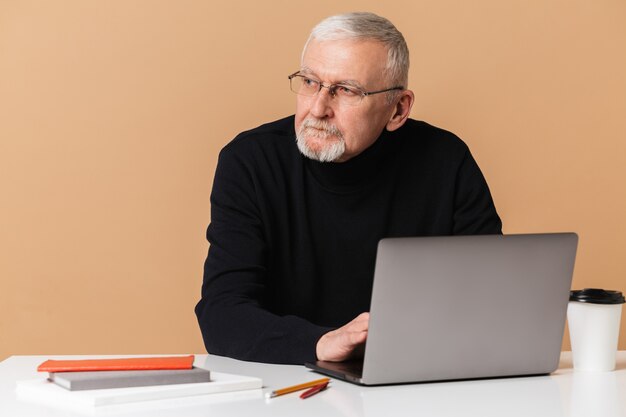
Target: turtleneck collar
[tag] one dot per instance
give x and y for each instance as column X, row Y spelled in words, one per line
column 357, row 172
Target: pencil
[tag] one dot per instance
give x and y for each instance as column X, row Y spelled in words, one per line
column 312, row 391
column 295, row 388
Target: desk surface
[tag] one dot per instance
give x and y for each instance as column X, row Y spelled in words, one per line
column 563, row 393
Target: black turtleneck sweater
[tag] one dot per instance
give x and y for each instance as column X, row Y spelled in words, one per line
column 293, row 241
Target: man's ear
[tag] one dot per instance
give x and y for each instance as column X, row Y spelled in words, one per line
column 402, row 110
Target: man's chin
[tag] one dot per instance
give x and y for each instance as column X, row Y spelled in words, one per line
column 322, row 150
column 318, row 145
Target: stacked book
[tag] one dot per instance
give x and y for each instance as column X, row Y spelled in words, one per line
column 97, row 382
column 77, row 375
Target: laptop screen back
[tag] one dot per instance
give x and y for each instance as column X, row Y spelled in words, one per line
column 468, row 307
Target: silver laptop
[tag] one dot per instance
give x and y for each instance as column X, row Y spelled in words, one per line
column 464, row 307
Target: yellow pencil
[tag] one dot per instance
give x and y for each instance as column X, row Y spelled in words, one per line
column 295, row 388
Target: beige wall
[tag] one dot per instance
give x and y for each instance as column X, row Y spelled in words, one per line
column 112, row 114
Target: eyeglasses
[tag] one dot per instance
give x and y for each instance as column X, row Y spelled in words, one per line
column 343, row 93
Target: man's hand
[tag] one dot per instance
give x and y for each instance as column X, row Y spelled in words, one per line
column 343, row 343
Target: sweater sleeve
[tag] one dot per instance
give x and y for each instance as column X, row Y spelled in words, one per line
column 474, row 210
column 234, row 317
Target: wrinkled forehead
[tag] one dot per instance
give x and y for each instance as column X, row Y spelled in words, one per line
column 361, row 60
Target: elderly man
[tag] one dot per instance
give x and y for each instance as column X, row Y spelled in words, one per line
column 299, row 205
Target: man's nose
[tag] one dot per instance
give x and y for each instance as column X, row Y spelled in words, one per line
column 321, row 105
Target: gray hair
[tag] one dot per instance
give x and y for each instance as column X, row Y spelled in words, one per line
column 364, row 25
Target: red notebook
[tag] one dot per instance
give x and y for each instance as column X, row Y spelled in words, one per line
column 123, row 364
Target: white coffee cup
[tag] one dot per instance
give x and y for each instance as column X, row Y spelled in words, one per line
column 594, row 317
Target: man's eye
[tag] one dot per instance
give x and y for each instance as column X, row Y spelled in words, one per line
column 307, row 82
column 346, row 91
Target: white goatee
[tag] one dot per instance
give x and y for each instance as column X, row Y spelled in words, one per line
column 320, row 129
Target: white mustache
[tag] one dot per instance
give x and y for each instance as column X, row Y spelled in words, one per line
column 322, row 126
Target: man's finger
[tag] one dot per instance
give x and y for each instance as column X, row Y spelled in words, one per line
column 342, row 343
column 356, row 338
column 362, row 317
column 359, row 323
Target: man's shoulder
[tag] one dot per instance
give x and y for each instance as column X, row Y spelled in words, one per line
column 269, row 134
column 418, row 133
column 421, row 146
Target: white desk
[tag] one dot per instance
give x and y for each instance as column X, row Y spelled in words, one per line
column 564, row 393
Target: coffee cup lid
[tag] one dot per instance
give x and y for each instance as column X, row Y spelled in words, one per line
column 596, row 296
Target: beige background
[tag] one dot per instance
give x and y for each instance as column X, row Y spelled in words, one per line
column 112, row 114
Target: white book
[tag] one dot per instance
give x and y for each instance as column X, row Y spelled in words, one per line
column 42, row 390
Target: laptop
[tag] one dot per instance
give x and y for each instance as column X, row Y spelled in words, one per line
column 464, row 307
